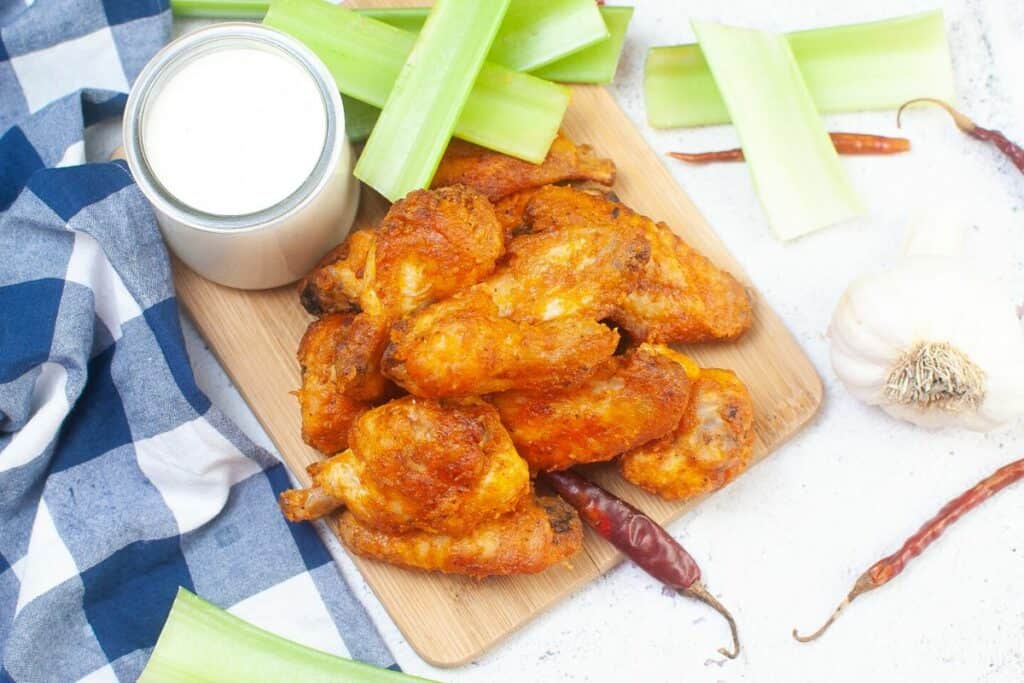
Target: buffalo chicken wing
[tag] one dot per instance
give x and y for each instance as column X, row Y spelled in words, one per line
column 497, row 175
column 709, row 448
column 680, row 296
column 540, row 533
column 630, row 400
column 419, row 465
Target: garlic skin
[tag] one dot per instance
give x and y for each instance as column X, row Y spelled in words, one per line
column 931, row 341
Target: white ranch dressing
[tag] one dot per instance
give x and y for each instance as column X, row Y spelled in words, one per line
column 234, row 130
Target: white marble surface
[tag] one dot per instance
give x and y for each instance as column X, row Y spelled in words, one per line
column 783, row 543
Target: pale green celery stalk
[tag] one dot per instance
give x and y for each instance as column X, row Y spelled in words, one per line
column 220, row 9
column 419, row 117
column 597, row 63
column 536, row 33
column 509, row 112
column 202, row 643
column 364, row 56
column 406, row 18
column 876, row 65
column 795, row 168
column 360, row 118
column 594, row 64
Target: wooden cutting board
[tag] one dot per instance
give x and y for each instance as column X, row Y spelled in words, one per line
column 450, row 620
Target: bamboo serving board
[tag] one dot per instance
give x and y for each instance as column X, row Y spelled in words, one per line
column 450, row 620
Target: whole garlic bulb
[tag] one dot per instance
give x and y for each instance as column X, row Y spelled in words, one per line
column 930, row 340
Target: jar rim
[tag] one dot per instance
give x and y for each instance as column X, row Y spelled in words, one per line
column 196, row 43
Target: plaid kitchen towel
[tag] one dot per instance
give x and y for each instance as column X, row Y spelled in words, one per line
column 119, row 481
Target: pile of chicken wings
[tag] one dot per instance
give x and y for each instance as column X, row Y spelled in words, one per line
column 500, row 324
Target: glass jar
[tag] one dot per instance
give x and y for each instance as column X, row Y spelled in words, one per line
column 201, row 80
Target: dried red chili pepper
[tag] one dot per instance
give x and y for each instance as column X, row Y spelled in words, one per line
column 1011, row 149
column 845, row 143
column 889, row 567
column 641, row 539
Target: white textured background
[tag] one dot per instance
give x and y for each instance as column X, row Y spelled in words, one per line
column 783, row 543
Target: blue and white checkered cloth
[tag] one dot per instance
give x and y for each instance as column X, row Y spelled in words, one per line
column 119, row 481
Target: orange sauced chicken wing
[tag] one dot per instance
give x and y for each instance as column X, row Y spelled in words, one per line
column 680, row 297
column 629, row 400
column 430, row 244
column 709, row 448
column 498, row 175
column 335, row 391
column 540, row 533
column 533, row 324
column 464, row 347
column 419, row 465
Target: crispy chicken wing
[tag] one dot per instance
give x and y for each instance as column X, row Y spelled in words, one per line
column 628, row 401
column 584, row 271
column 463, row 346
column 415, row 464
column 709, row 448
column 533, row 324
column 336, row 388
column 430, row 244
column 541, row 532
column 498, row 175
column 680, row 297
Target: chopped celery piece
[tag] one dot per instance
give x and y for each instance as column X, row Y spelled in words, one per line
column 406, row 18
column 538, row 32
column 594, row 64
column 597, row 63
column 364, row 56
column 201, row 642
column 360, row 118
column 795, row 168
column 418, row 119
column 509, row 112
column 220, row 9
column 876, row 65
column 533, row 34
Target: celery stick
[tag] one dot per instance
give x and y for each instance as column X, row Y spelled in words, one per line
column 795, row 168
column 534, row 33
column 509, row 112
column 201, row 642
column 364, row 56
column 538, row 32
column 406, row 18
column 876, row 65
column 597, row 63
column 594, row 64
column 220, row 9
column 360, row 118
column 418, row 119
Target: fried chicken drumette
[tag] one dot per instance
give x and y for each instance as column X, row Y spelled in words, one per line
column 531, row 325
column 541, row 532
column 710, row 447
column 679, row 297
column 340, row 359
column 497, row 175
column 430, row 244
column 629, row 400
column 419, row 465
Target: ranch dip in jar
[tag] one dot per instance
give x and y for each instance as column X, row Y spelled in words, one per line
column 236, row 135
